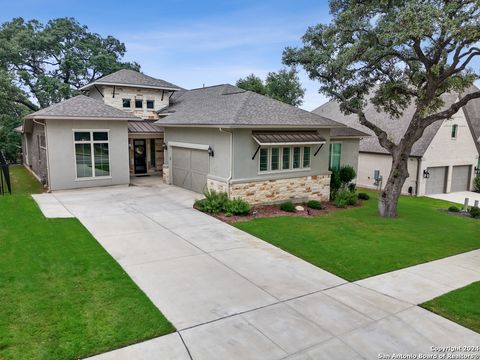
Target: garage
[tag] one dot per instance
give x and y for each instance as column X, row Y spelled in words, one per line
column 190, row 168
column 437, row 179
column 461, row 178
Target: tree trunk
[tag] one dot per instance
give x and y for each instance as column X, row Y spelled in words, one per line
column 388, row 201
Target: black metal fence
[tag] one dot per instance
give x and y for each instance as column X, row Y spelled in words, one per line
column 5, row 185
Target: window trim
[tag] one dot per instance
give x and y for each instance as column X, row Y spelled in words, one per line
column 290, row 160
column 136, row 104
column 91, row 142
column 153, row 104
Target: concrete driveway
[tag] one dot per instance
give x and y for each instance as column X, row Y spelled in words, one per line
column 458, row 197
column 233, row 296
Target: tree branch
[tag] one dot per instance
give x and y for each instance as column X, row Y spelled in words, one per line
column 452, row 110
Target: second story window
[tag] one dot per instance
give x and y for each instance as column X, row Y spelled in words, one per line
column 126, row 103
column 454, row 131
column 150, row 104
column 138, row 104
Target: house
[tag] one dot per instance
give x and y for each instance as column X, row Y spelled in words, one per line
column 219, row 137
column 444, row 160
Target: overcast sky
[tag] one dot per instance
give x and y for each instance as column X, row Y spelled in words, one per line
column 191, row 43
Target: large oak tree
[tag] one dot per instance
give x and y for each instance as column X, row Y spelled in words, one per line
column 394, row 53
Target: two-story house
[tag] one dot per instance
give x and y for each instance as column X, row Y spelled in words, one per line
column 219, row 137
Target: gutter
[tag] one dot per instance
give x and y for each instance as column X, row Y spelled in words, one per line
column 47, row 154
column 231, row 159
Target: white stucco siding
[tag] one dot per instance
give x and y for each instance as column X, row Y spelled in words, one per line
column 368, row 163
column 61, row 153
column 447, row 151
column 160, row 98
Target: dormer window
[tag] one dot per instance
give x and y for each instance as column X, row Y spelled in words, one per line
column 150, row 104
column 138, row 104
column 126, row 103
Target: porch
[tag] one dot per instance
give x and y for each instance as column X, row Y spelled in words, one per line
column 146, row 153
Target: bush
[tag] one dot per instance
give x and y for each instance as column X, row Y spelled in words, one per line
column 335, row 184
column 352, row 187
column 476, row 184
column 315, row 204
column 213, row 203
column 237, row 206
column 344, row 198
column 454, row 209
column 363, row 196
column 474, row 212
column 347, row 174
column 287, row 206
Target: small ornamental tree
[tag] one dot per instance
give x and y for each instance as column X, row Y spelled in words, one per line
column 395, row 53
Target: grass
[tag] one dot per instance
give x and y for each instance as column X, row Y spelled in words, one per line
column 61, row 294
column 357, row 243
column 461, row 305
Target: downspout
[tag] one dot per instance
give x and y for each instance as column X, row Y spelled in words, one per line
column 231, row 158
column 46, row 150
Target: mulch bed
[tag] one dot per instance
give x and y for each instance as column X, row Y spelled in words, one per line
column 267, row 211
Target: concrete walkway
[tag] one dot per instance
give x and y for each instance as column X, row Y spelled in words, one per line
column 233, row 296
column 458, row 197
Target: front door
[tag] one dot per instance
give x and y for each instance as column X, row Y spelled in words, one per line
column 140, row 156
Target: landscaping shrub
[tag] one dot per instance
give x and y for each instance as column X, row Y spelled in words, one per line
column 347, row 174
column 344, row 198
column 315, row 204
column 237, row 206
column 352, row 187
column 213, row 203
column 335, row 184
column 476, row 184
column 454, row 209
column 287, row 206
column 474, row 212
column 363, row 196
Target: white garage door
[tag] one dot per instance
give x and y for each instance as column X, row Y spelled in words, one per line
column 461, row 178
column 190, row 168
column 437, row 180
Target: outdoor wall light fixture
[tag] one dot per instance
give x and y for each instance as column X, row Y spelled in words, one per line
column 426, row 174
column 210, row 151
column 165, row 146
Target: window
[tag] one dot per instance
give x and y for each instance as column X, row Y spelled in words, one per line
column 454, row 131
column 284, row 158
column 150, row 104
column 335, row 153
column 92, row 154
column 126, row 103
column 138, row 104
column 263, row 159
column 152, row 153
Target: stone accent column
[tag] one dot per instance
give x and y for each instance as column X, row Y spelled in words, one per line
column 166, row 174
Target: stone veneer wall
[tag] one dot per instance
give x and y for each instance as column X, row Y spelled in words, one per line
column 166, row 174
column 316, row 187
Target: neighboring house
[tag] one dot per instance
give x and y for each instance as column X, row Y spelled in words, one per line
column 444, row 160
column 219, row 137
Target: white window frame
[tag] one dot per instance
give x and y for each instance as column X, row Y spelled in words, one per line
column 330, row 153
column 280, row 167
column 92, row 142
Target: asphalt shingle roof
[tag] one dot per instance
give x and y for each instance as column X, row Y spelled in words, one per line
column 472, row 113
column 228, row 105
column 394, row 127
column 79, row 107
column 133, row 78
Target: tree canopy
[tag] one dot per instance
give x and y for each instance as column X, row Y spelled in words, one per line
column 283, row 85
column 394, row 53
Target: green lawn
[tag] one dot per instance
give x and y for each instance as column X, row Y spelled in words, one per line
column 357, row 243
column 61, row 294
column 461, row 305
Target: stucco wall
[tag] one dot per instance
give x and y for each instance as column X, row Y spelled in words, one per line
column 245, row 169
column 62, row 158
column 220, row 143
column 132, row 94
column 445, row 151
column 368, row 163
